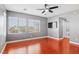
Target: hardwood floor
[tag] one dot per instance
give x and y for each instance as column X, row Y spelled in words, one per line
column 42, row 46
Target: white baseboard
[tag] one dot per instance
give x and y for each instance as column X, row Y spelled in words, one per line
column 26, row 39
column 55, row 38
column 3, row 48
column 33, row 39
column 74, row 43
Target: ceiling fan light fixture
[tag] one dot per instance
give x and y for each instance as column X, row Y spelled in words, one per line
column 46, row 10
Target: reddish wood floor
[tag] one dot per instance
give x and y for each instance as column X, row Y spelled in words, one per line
column 42, row 46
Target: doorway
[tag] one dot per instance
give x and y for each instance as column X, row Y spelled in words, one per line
column 63, row 27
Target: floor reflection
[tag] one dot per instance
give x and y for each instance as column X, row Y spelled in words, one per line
column 31, row 49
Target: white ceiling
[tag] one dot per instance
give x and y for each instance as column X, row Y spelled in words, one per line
column 31, row 8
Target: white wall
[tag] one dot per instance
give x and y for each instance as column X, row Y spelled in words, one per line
column 54, row 32
column 73, row 18
column 74, row 27
column 2, row 27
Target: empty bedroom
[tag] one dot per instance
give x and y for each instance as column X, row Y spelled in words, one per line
column 39, row 28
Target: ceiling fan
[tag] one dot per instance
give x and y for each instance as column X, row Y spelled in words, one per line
column 47, row 9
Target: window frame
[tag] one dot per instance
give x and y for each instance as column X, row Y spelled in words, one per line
column 38, row 28
column 27, row 24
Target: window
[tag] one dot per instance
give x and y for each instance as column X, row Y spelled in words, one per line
column 33, row 26
column 21, row 25
column 13, row 25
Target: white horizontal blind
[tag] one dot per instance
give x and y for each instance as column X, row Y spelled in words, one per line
column 22, row 25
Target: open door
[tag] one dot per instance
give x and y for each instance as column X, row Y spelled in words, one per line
column 63, row 27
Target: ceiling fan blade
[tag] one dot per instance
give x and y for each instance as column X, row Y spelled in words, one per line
column 40, row 9
column 53, row 7
column 50, row 11
column 43, row 11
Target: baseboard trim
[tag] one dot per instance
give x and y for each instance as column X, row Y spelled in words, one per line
column 3, row 48
column 33, row 39
column 26, row 39
column 55, row 38
column 74, row 43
